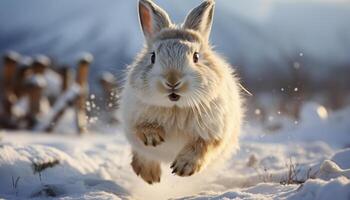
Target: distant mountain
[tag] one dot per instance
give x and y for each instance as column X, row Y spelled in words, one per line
column 315, row 33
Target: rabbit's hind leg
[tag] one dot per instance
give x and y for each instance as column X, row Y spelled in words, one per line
column 148, row 170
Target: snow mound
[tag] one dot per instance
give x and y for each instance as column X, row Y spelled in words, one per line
column 330, row 169
column 322, row 190
column 314, row 189
column 42, row 171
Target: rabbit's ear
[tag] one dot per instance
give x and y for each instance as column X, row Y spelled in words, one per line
column 201, row 18
column 152, row 18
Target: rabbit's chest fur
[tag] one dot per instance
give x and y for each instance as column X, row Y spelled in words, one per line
column 180, row 125
column 174, row 120
column 204, row 121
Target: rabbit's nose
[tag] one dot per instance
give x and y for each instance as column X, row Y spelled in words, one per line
column 172, row 79
column 173, row 86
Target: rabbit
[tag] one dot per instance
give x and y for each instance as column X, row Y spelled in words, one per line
column 181, row 101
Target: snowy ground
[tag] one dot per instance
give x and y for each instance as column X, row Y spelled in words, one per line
column 268, row 166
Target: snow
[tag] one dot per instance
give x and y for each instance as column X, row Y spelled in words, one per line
column 310, row 190
column 78, row 174
column 54, row 83
column 63, row 101
column 330, row 169
column 314, row 152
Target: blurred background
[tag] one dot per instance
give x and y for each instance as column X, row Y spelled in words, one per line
column 288, row 53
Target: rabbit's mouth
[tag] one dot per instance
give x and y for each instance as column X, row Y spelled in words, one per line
column 174, row 97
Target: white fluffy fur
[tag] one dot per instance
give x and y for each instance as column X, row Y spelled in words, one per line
column 210, row 109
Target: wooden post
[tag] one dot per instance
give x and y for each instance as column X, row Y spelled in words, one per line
column 66, row 75
column 82, row 81
column 35, row 87
column 9, row 72
column 23, row 72
column 41, row 63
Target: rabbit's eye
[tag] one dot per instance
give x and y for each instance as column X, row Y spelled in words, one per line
column 195, row 57
column 153, row 57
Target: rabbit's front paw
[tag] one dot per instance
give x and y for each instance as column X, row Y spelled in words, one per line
column 186, row 164
column 150, row 133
